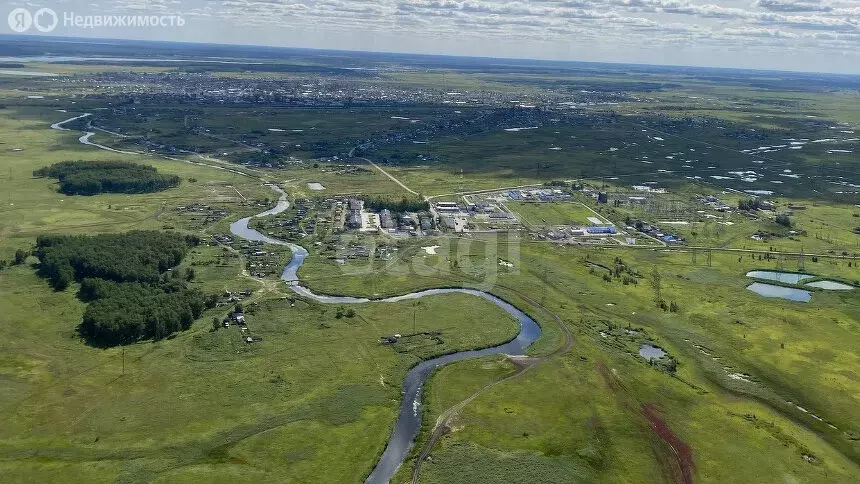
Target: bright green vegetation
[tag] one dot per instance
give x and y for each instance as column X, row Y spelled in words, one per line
column 749, row 384
column 467, row 462
column 125, row 278
column 816, row 227
column 759, row 337
column 588, row 418
column 724, row 282
column 90, row 178
column 439, row 180
column 30, row 207
column 141, row 256
column 566, row 419
column 544, row 214
column 405, row 204
column 313, row 401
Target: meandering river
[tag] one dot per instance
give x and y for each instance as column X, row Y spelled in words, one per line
column 409, row 415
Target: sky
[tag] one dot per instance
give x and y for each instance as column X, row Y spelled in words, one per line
column 804, row 35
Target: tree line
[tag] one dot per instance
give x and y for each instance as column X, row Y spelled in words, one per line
column 125, row 312
column 139, row 256
column 94, row 177
column 128, row 281
column 403, row 205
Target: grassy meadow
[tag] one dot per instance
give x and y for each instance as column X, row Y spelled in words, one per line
column 763, row 390
column 549, row 214
column 193, row 406
column 31, row 206
column 792, row 352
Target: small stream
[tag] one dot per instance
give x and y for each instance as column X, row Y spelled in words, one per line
column 409, row 414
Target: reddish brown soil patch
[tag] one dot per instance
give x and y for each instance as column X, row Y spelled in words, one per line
column 684, row 466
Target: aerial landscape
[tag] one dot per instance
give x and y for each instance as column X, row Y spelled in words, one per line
column 227, row 263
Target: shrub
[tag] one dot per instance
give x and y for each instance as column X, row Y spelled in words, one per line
column 783, row 220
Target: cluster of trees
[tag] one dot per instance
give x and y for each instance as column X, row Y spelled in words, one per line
column 125, row 312
column 20, row 257
column 403, row 205
column 139, row 256
column 93, row 177
column 783, row 220
column 126, row 280
column 750, row 205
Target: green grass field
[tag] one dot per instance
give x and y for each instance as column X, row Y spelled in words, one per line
column 716, row 313
column 30, row 206
column 538, row 214
column 205, row 400
column 765, row 390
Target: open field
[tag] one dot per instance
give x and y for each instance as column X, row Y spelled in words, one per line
column 745, row 336
column 312, row 373
column 548, row 214
column 816, row 226
column 585, row 428
column 31, row 206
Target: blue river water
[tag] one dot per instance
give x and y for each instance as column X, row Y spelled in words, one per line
column 409, row 414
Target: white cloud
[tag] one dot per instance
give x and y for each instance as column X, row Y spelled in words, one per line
column 654, row 30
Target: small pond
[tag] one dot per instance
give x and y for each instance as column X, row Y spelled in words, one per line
column 651, row 352
column 790, row 293
column 785, row 277
column 830, row 285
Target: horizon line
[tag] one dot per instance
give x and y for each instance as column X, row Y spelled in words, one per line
column 97, row 40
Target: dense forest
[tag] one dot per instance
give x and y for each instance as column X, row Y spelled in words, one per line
column 139, row 256
column 124, row 312
column 403, row 205
column 128, row 281
column 94, row 177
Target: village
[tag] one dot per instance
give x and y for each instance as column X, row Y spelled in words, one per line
column 561, row 212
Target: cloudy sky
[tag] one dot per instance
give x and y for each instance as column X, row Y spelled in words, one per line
column 806, row 35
